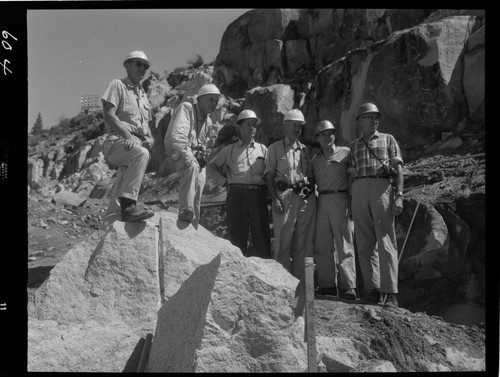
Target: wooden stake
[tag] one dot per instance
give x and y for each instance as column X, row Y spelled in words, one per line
column 312, row 363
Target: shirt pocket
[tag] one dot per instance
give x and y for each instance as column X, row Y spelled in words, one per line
column 146, row 109
column 258, row 165
column 282, row 165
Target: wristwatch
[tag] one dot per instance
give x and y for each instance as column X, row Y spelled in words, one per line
column 398, row 193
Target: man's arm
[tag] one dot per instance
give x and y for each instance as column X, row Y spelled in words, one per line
column 110, row 118
column 214, row 168
column 276, row 201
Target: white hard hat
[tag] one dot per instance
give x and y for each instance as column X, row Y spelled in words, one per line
column 247, row 114
column 208, row 89
column 323, row 126
column 295, row 115
column 137, row 55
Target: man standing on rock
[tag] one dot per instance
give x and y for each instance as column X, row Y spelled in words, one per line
column 289, row 180
column 127, row 113
column 376, row 159
column 330, row 167
column 186, row 143
column 241, row 166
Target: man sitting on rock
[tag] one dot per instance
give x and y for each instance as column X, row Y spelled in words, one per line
column 127, row 113
column 186, row 142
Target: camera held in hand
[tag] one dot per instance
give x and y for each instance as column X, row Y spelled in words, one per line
column 303, row 188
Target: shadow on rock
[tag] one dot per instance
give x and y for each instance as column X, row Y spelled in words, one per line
column 37, row 275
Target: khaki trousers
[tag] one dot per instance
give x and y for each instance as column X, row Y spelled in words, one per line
column 294, row 232
column 372, row 200
column 132, row 165
column 333, row 243
column 191, row 184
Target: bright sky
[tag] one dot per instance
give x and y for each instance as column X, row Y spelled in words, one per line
column 78, row 52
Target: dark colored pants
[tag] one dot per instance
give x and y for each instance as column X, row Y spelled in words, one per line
column 247, row 213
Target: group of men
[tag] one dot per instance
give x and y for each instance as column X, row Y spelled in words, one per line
column 321, row 204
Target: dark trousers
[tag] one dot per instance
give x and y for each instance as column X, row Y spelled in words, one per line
column 247, row 213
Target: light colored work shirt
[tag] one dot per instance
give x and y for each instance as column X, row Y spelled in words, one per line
column 239, row 163
column 187, row 129
column 331, row 169
column 289, row 162
column 132, row 105
column 385, row 148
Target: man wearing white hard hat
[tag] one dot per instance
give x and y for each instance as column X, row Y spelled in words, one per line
column 289, row 181
column 186, row 140
column 334, row 235
column 127, row 113
column 240, row 167
column 376, row 162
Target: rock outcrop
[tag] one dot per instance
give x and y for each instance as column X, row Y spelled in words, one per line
column 197, row 293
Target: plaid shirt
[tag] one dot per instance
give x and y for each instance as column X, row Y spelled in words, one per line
column 385, row 148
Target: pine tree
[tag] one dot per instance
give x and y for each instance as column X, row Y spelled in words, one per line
column 38, row 126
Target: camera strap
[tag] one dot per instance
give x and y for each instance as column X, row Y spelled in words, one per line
column 369, row 150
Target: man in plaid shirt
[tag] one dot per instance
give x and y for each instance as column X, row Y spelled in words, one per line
column 374, row 204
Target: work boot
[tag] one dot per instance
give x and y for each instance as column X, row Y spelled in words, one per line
column 130, row 212
column 186, row 215
column 391, row 300
column 348, row 294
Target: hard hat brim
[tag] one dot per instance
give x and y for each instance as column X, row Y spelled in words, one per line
column 141, row 59
column 258, row 120
column 369, row 112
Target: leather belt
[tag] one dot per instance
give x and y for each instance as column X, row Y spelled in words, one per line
column 248, row 187
column 326, row 192
column 373, row 176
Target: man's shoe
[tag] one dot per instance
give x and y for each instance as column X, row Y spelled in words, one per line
column 328, row 291
column 186, row 215
column 372, row 297
column 348, row 294
column 392, row 300
column 132, row 213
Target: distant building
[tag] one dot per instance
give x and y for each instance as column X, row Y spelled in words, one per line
column 90, row 104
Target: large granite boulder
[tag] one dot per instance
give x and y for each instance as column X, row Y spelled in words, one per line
column 270, row 104
column 199, row 296
column 285, row 40
column 224, row 312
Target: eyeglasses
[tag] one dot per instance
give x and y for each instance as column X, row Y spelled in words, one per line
column 327, row 133
column 140, row 64
column 370, row 117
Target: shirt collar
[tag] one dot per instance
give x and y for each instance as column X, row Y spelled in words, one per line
column 130, row 84
column 374, row 136
column 330, row 151
column 242, row 144
column 296, row 145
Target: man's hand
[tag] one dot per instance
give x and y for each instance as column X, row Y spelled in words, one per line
column 130, row 143
column 278, row 206
column 349, row 212
column 190, row 160
column 148, row 142
column 397, row 206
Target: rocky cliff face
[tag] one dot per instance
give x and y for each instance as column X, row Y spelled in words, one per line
column 425, row 70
